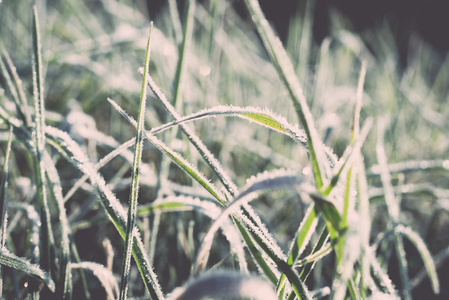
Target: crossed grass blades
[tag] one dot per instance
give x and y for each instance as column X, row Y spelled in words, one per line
column 303, row 224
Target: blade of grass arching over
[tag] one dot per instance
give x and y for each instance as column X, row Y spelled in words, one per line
column 4, row 201
column 132, row 210
column 72, row 151
column 263, row 117
column 286, row 73
column 280, row 179
column 392, row 208
column 47, row 238
column 17, row 89
column 425, row 255
column 105, row 276
column 15, row 262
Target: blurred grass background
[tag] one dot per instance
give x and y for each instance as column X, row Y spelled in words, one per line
column 92, row 50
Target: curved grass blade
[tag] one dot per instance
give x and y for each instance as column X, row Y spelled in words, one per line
column 105, row 276
column 279, row 179
column 263, row 117
column 132, row 210
column 12, row 261
column 425, row 255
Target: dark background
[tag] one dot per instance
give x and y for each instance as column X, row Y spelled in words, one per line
column 429, row 19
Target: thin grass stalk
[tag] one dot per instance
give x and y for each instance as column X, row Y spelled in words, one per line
column 343, row 267
column 12, row 89
column 287, row 75
column 303, row 236
column 4, row 201
column 23, row 108
column 47, row 238
column 393, row 210
column 174, row 15
column 183, row 54
column 364, row 228
column 132, row 210
column 64, row 284
column 425, row 255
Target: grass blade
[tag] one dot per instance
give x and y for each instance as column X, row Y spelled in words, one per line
column 132, row 210
column 105, row 276
column 38, row 90
column 425, row 255
column 287, row 75
column 274, row 180
column 4, row 201
column 16, row 90
column 12, row 261
column 393, row 209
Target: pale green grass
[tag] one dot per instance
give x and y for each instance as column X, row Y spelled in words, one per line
column 240, row 202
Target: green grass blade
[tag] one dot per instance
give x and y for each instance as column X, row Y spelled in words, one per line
column 15, row 262
column 425, row 255
column 287, row 75
column 38, row 90
column 132, row 210
column 303, row 236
